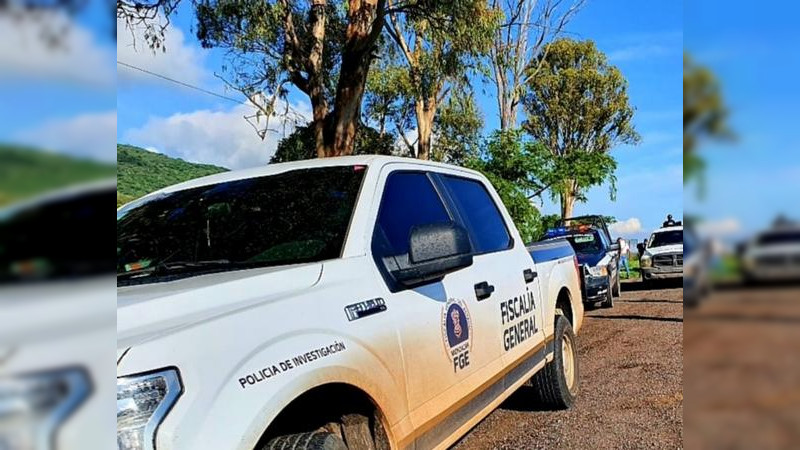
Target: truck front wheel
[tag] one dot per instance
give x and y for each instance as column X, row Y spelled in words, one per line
column 609, row 301
column 315, row 440
column 556, row 384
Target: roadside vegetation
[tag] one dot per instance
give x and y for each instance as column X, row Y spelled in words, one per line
column 141, row 172
column 26, row 172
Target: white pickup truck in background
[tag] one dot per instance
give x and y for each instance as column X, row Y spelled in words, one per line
column 662, row 257
column 355, row 303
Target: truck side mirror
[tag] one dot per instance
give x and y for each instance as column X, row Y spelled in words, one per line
column 640, row 247
column 434, row 251
column 614, row 247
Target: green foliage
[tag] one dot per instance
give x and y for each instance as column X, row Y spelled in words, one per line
column 577, row 108
column 387, row 105
column 505, row 160
column 300, row 144
column 550, row 221
column 442, row 46
column 141, row 172
column 253, row 33
column 585, row 168
column 26, row 172
column 704, row 114
column 457, row 129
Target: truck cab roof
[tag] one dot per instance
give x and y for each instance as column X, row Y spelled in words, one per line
column 272, row 169
column 672, row 228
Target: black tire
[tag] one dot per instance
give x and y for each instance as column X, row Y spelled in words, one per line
column 315, row 440
column 617, row 286
column 609, row 301
column 550, row 384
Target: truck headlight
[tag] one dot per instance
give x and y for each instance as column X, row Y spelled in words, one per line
column 142, row 403
column 599, row 272
column 33, row 406
column 647, row 261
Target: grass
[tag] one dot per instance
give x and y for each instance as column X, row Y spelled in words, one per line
column 633, row 263
column 27, row 172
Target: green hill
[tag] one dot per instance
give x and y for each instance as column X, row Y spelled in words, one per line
column 140, row 172
column 26, row 172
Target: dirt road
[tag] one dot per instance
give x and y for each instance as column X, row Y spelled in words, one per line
column 742, row 378
column 631, row 376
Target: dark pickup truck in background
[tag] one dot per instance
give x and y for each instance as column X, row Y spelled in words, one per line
column 598, row 256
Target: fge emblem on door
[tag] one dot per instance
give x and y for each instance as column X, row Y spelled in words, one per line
column 457, row 333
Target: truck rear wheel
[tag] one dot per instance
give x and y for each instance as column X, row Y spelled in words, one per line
column 556, row 385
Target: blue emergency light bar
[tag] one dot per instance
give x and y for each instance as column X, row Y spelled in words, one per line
column 557, row 232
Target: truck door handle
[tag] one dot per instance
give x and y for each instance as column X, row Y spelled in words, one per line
column 483, row 290
column 529, row 275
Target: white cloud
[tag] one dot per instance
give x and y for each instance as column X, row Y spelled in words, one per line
column 222, row 138
column 76, row 56
column 627, row 227
column 182, row 60
column 89, row 135
column 639, row 51
column 720, row 228
column 645, row 46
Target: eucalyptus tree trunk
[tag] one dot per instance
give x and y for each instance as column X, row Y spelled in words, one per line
column 426, row 113
column 568, row 197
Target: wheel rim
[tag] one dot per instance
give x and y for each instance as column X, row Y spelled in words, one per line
column 568, row 359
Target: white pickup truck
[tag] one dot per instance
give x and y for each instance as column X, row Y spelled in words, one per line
column 343, row 303
column 662, row 256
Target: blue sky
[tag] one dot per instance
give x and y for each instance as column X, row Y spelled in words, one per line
column 62, row 98
column 753, row 52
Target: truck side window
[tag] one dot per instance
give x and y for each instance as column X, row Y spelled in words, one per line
column 409, row 199
column 482, row 219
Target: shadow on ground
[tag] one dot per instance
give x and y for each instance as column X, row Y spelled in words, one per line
column 524, row 400
column 653, row 285
column 638, row 317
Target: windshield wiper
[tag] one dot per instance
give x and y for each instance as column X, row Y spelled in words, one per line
column 171, row 267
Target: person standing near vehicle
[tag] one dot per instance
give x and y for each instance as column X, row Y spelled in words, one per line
column 624, row 249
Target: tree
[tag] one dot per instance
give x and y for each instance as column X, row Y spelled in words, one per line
column 457, row 129
column 324, row 48
column 300, row 144
column 528, row 26
column 386, row 105
column 704, row 114
column 577, row 108
column 389, row 106
column 506, row 161
column 438, row 58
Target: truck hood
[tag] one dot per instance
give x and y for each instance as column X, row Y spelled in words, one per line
column 590, row 259
column 665, row 250
column 148, row 311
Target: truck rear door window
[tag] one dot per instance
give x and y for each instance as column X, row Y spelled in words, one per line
column 482, row 219
column 409, row 199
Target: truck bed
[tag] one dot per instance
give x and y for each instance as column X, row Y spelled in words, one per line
column 550, row 250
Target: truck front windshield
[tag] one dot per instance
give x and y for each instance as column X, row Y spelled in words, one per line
column 665, row 238
column 289, row 218
column 780, row 238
